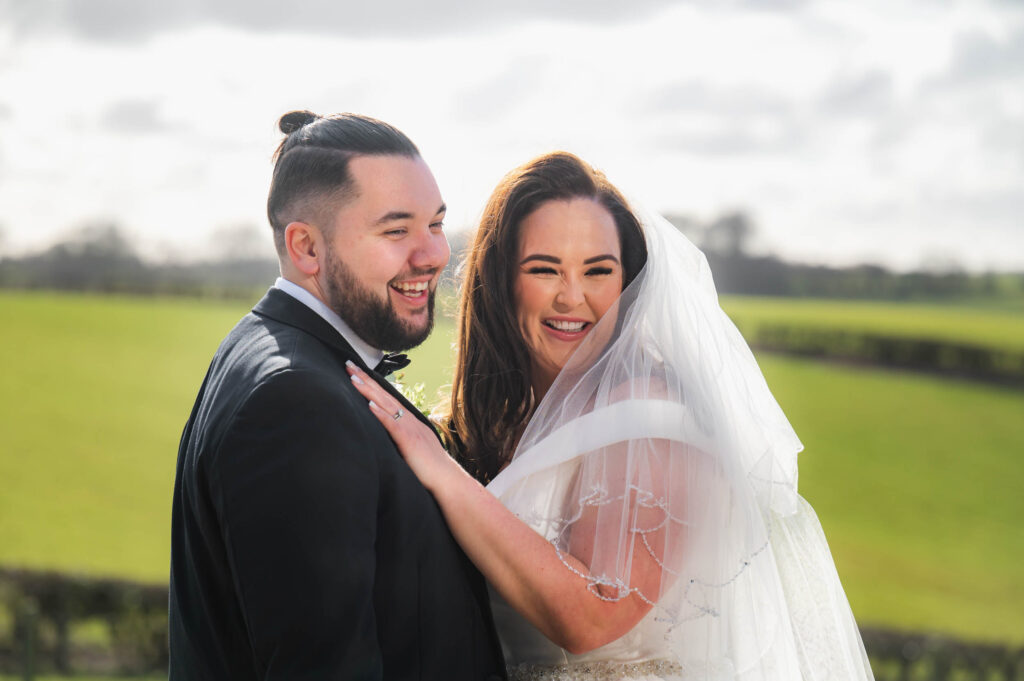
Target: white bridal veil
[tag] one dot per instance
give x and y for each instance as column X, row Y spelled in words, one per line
column 661, row 445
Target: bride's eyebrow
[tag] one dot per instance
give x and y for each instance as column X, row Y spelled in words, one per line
column 558, row 261
column 538, row 256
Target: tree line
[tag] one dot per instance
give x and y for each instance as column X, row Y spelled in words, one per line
column 726, row 239
column 101, row 258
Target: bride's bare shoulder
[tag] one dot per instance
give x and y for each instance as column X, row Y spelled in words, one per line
column 653, row 387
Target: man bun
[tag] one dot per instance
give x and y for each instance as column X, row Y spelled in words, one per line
column 295, row 120
column 311, row 172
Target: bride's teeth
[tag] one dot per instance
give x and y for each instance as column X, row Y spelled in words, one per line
column 566, row 326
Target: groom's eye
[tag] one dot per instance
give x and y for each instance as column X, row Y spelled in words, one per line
column 437, row 225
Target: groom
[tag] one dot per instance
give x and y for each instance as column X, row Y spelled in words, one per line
column 302, row 545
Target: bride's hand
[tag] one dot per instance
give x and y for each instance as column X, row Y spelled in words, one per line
column 417, row 442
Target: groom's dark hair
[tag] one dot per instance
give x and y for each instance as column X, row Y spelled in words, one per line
column 311, row 175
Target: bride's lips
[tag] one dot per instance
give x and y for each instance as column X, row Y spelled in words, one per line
column 566, row 328
column 412, row 292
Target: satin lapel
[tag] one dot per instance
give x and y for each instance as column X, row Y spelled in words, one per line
column 283, row 308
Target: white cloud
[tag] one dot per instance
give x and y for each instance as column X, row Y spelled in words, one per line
column 848, row 130
column 133, row 20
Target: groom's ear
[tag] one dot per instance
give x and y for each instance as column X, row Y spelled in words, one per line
column 305, row 249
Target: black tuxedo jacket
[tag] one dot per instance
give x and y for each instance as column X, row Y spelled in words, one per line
column 302, row 545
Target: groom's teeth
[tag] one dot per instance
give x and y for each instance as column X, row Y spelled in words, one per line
column 413, row 287
column 566, row 326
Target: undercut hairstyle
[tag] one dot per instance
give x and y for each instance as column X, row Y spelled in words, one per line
column 492, row 397
column 311, row 165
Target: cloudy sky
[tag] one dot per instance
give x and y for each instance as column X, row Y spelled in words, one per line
column 889, row 131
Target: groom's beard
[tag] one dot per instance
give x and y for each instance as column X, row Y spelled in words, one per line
column 372, row 319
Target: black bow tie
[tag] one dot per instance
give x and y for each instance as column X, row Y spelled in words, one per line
column 392, row 362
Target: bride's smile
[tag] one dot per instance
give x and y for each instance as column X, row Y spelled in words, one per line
column 567, row 329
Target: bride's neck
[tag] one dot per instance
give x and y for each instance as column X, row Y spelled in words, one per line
column 540, row 383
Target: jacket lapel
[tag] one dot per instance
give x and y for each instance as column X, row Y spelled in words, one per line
column 283, row 308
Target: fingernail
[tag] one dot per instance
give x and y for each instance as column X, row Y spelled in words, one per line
column 349, row 363
column 356, row 379
column 373, row 404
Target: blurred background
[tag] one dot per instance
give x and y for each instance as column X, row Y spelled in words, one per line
column 854, row 172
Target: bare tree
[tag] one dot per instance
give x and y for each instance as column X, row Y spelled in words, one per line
column 241, row 241
column 691, row 228
column 729, row 234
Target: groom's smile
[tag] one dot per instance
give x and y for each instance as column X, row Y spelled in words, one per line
column 413, row 292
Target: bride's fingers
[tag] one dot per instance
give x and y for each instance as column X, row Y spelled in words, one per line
column 408, row 433
column 366, row 386
column 382, row 405
column 385, row 414
column 386, row 419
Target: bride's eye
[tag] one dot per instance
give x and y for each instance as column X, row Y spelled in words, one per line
column 598, row 271
column 541, row 270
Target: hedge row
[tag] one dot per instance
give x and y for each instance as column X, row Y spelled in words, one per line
column 44, row 606
column 43, row 609
column 918, row 354
column 902, row 656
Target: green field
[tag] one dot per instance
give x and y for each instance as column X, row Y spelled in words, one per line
column 917, row 483
column 1001, row 328
column 917, row 480
column 93, row 397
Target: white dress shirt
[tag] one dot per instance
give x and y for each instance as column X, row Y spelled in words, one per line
column 369, row 354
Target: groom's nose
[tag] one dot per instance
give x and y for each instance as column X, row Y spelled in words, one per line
column 430, row 251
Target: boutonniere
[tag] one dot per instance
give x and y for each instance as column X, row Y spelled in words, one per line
column 415, row 393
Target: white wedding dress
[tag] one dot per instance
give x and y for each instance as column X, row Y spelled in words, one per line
column 660, row 440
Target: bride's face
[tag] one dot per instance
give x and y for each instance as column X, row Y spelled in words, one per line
column 570, row 274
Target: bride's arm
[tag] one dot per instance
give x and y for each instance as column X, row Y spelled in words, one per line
column 523, row 566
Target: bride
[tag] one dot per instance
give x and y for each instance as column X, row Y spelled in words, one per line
column 640, row 518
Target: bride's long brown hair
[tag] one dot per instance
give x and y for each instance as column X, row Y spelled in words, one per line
column 491, row 398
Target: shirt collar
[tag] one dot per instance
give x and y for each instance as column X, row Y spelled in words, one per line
column 370, row 355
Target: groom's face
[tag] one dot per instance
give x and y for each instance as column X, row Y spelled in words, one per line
column 386, row 250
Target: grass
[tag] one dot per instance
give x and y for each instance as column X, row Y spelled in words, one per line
column 94, row 394
column 975, row 324
column 916, row 480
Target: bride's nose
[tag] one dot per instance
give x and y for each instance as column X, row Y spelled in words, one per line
column 570, row 293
